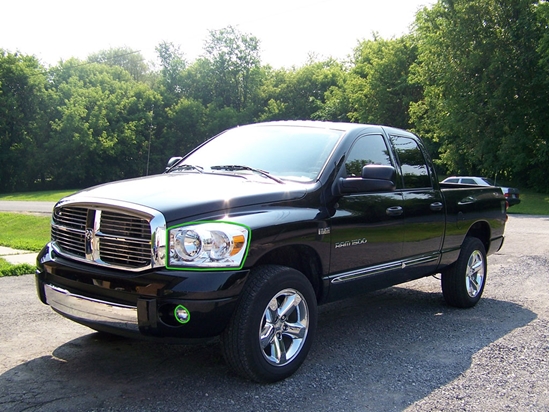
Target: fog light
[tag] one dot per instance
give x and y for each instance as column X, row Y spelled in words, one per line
column 182, row 314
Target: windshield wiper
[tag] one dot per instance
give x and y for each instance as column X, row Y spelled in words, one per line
column 199, row 169
column 235, row 168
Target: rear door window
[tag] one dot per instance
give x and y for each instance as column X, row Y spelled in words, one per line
column 415, row 172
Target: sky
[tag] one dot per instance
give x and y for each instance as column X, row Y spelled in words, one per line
column 288, row 30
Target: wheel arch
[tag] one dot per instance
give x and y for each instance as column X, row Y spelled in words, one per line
column 302, row 258
column 481, row 230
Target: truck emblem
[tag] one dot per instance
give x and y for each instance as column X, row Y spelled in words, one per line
column 89, row 241
column 353, row 242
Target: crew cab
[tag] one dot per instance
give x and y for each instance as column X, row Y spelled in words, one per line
column 246, row 235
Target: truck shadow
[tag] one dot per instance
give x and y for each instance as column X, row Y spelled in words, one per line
column 380, row 351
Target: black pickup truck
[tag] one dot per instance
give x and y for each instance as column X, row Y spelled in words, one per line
column 246, row 235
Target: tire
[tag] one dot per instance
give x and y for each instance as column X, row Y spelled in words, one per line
column 463, row 283
column 273, row 327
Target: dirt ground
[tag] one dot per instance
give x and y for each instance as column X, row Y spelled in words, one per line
column 398, row 349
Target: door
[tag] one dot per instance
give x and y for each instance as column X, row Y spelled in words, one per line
column 423, row 209
column 366, row 228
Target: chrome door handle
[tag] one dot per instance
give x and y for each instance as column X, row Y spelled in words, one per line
column 436, row 207
column 394, row 211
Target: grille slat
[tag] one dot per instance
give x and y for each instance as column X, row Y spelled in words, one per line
column 123, row 225
column 121, row 240
column 71, row 217
column 72, row 242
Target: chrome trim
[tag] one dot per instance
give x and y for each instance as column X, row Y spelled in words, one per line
column 90, row 310
column 374, row 270
column 156, row 221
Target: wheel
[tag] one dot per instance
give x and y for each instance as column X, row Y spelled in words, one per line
column 463, row 283
column 272, row 329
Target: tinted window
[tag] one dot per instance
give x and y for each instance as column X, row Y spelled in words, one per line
column 367, row 150
column 414, row 168
column 451, row 181
column 468, row 181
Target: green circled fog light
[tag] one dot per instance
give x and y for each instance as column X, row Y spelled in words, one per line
column 182, row 314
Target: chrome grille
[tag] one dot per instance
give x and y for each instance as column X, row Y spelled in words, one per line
column 104, row 237
column 71, row 217
column 124, row 240
column 69, row 230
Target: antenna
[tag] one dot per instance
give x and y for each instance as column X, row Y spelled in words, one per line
column 151, row 127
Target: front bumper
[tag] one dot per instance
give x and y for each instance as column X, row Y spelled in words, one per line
column 95, row 311
column 144, row 304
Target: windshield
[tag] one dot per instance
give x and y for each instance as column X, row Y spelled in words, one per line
column 287, row 152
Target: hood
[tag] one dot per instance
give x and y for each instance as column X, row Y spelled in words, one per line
column 181, row 195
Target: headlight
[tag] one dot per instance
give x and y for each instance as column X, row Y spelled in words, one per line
column 208, row 245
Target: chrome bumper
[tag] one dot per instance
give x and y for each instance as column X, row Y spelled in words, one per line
column 91, row 311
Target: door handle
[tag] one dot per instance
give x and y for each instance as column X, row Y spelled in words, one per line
column 394, row 211
column 436, row 207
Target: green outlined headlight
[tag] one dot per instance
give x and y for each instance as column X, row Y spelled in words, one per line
column 208, row 245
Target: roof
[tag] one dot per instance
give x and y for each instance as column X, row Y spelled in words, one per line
column 343, row 126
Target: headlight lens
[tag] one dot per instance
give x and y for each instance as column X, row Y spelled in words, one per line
column 208, row 245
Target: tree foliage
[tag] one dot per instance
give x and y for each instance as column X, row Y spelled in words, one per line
column 100, row 129
column 130, row 60
column 23, row 103
column 172, row 63
column 233, row 61
column 472, row 78
column 302, row 93
column 479, row 67
column 378, row 88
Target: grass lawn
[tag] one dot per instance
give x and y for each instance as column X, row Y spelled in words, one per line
column 532, row 203
column 27, row 232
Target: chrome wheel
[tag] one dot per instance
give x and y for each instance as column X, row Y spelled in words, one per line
column 284, row 327
column 273, row 326
column 474, row 279
column 464, row 281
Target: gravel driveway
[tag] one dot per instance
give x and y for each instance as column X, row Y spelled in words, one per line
column 398, row 349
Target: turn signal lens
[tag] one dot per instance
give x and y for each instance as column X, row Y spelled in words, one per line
column 238, row 243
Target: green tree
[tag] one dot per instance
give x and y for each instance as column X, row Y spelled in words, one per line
column 186, row 128
column 23, row 105
column 101, row 129
column 479, row 66
column 540, row 161
column 172, row 63
column 378, row 87
column 130, row 60
column 301, row 93
column 233, row 62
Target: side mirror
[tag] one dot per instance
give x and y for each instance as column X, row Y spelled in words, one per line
column 375, row 178
column 172, row 162
column 378, row 172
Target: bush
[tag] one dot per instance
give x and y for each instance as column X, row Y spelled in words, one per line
column 7, row 269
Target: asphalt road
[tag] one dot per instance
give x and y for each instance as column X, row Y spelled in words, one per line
column 398, row 349
column 27, row 207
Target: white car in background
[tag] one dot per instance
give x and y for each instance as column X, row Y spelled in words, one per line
column 511, row 194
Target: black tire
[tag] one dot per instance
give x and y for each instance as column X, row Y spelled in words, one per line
column 263, row 343
column 463, row 282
